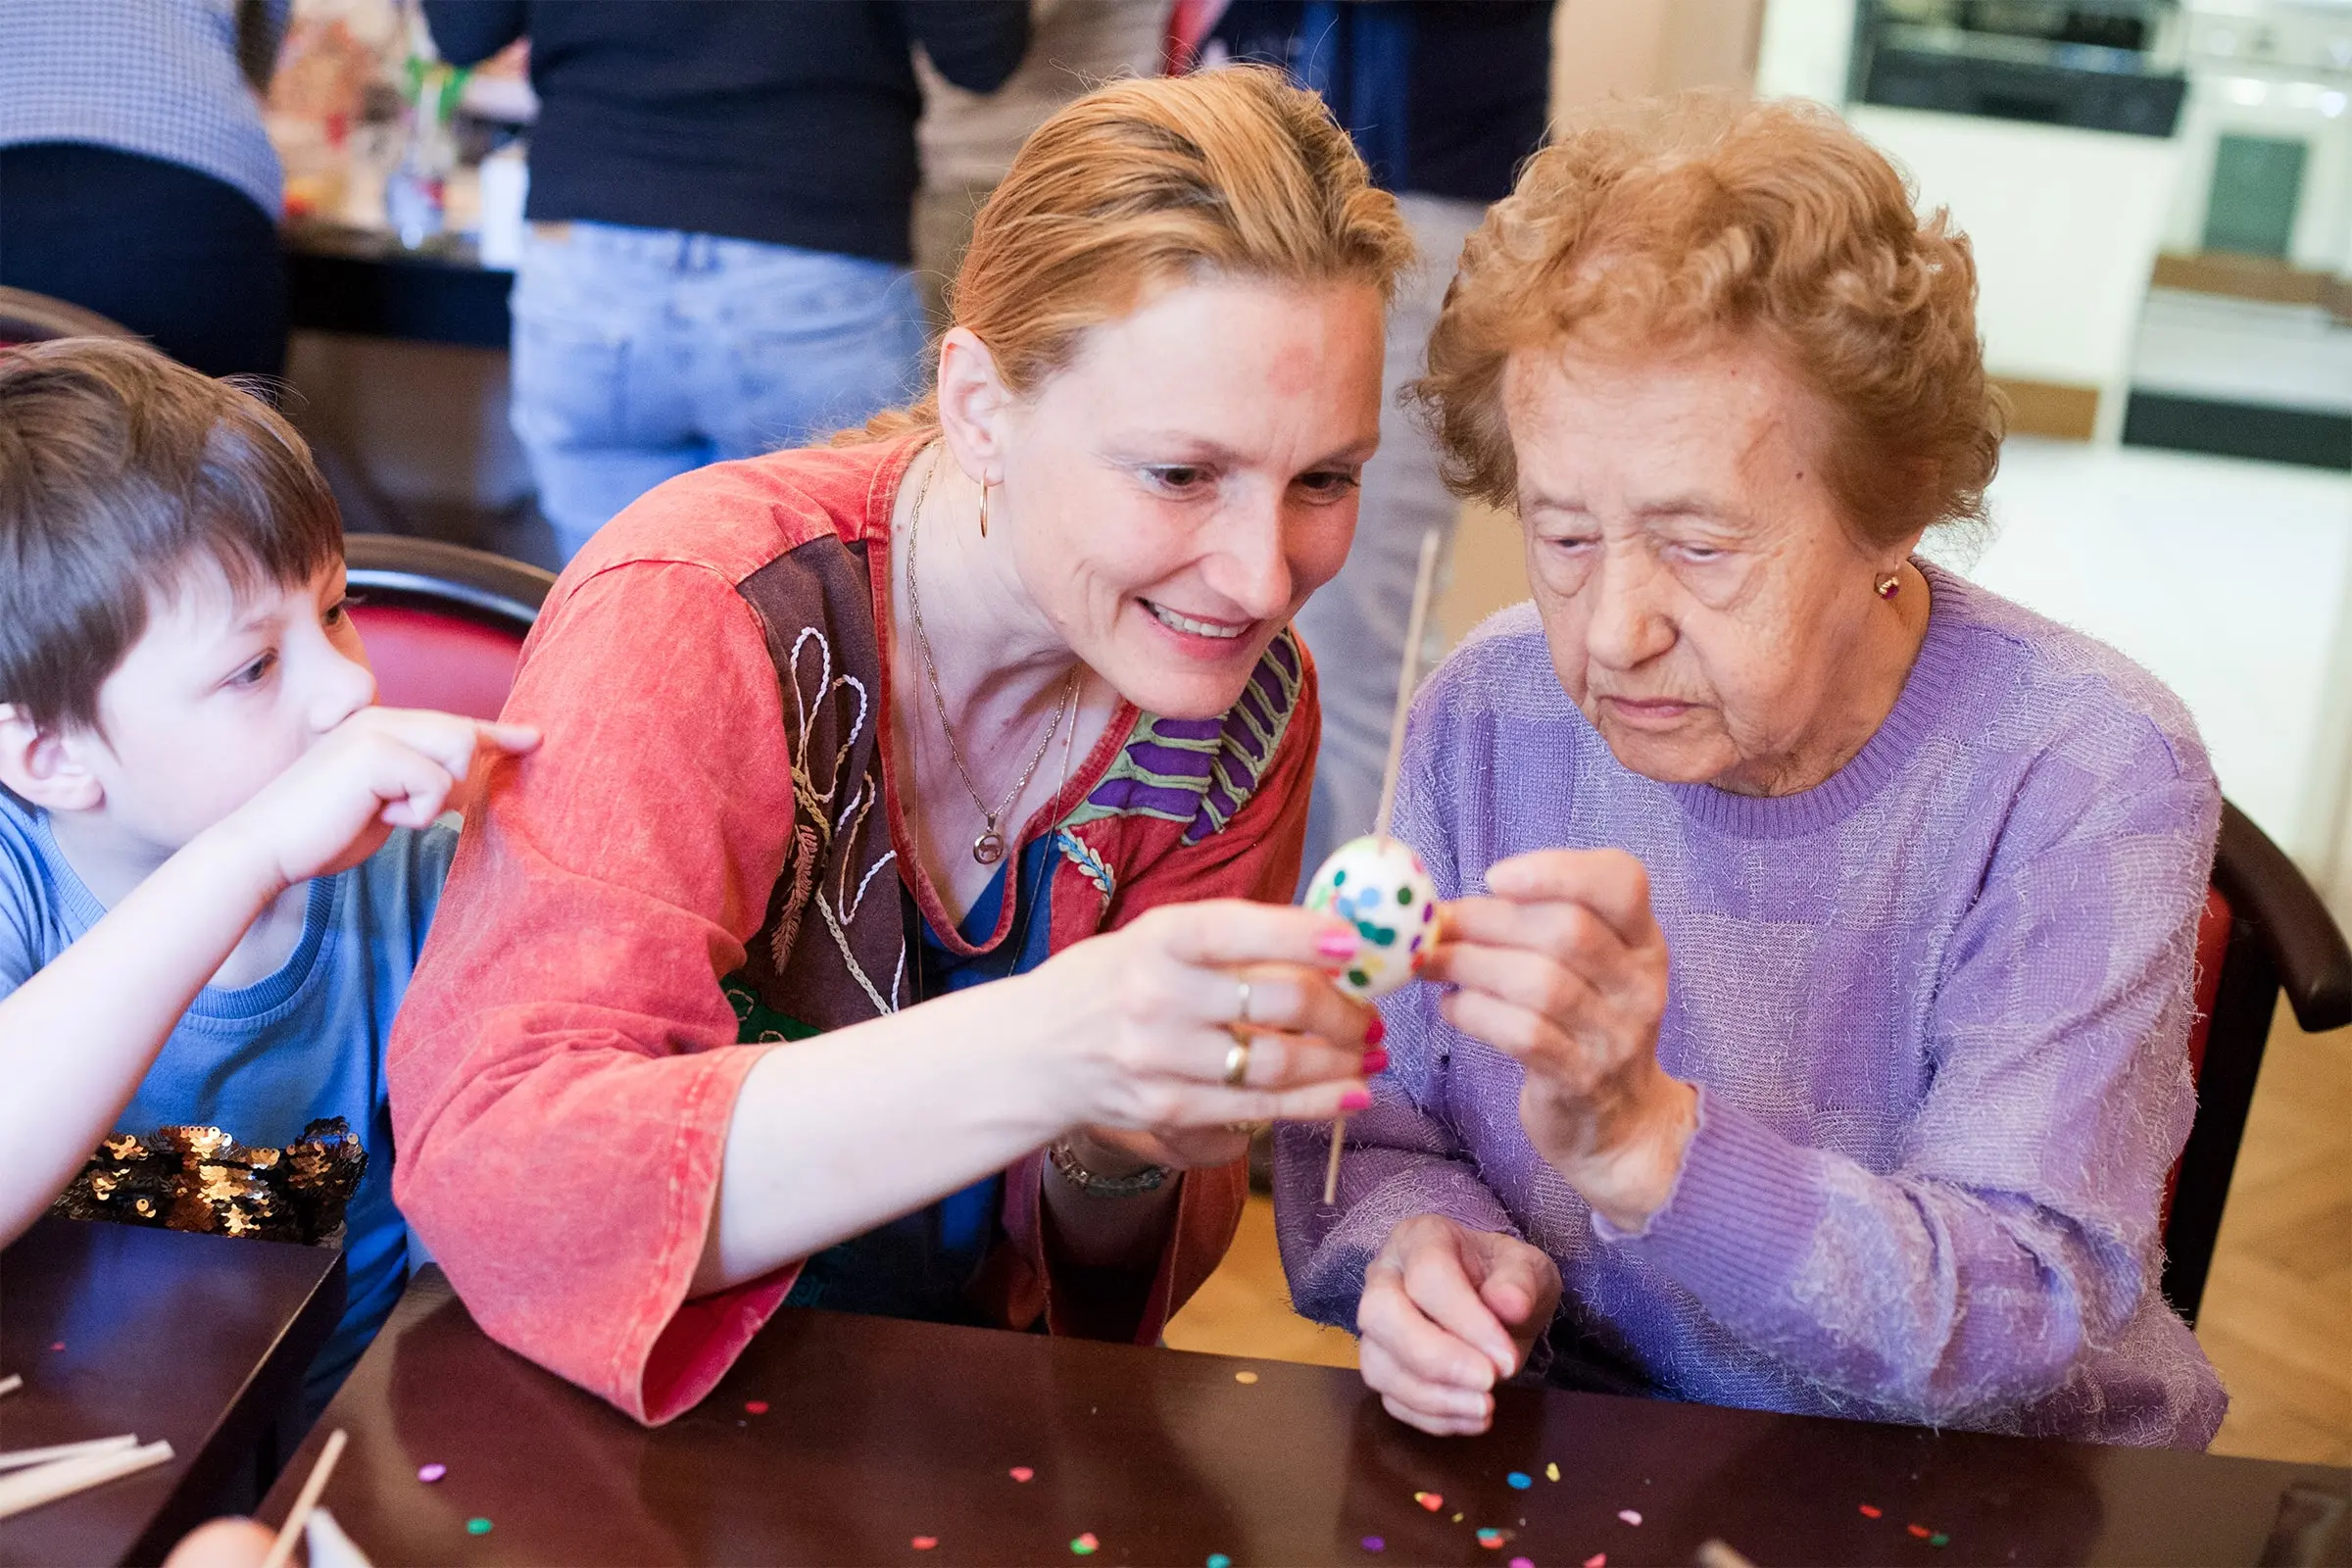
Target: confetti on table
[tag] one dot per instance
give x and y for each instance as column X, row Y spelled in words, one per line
column 1245, row 1377
column 1457, row 1518
column 1429, row 1500
column 1217, row 1559
column 756, row 1406
column 1375, row 1544
column 478, row 1527
column 1085, row 1544
column 1599, row 1559
column 1868, row 1512
column 1631, row 1516
column 1520, row 1480
column 430, row 1473
column 1921, row 1531
column 11, row 1383
column 1020, row 1472
column 923, row 1542
column 1552, row 1471
column 59, row 1345
column 1939, row 1539
column 1523, row 1562
column 1490, row 1539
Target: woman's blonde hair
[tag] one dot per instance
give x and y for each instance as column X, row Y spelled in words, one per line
column 1157, row 181
column 1675, row 223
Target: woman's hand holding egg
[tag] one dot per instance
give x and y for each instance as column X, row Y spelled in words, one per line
column 1143, row 1023
column 1564, row 967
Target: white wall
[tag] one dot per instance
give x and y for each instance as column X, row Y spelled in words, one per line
column 2253, row 104
column 1605, row 49
column 1804, row 49
column 2066, row 226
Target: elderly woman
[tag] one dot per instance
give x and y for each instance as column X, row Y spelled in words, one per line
column 1808, row 1029
column 929, row 746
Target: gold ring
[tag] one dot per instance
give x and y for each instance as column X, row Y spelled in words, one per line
column 1237, row 1061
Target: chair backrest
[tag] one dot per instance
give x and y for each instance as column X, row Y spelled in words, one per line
column 2264, row 929
column 29, row 317
column 444, row 625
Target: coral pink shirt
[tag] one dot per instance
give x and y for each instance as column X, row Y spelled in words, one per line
column 709, row 679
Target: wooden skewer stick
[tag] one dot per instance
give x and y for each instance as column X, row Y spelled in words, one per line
column 20, row 1458
column 1425, row 581
column 62, row 1478
column 304, row 1500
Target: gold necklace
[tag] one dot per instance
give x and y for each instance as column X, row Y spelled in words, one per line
column 989, row 848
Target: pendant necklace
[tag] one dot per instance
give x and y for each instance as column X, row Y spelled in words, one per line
column 989, row 848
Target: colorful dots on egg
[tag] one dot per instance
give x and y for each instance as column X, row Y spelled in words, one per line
column 1380, row 886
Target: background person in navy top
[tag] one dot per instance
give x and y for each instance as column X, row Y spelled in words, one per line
column 721, row 201
column 1445, row 99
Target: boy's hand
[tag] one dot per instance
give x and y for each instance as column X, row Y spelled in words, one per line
column 381, row 768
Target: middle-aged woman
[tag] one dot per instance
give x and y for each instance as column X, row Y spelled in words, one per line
column 1808, row 1028
column 832, row 737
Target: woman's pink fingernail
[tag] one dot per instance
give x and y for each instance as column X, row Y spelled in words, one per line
column 1378, row 1032
column 1338, row 944
column 1375, row 1060
column 1356, row 1100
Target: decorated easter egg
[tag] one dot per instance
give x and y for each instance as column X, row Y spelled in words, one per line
column 1380, row 886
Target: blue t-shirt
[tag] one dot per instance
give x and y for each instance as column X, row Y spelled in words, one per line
column 262, row 1060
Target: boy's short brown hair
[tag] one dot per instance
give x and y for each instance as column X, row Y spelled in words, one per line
column 119, row 470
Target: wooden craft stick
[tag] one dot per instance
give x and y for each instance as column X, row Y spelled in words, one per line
column 1425, row 581
column 62, row 1478
column 304, row 1500
column 11, row 1383
column 20, row 1458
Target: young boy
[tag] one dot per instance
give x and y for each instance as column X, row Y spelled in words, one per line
column 217, row 859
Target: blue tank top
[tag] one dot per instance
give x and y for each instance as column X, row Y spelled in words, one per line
column 921, row 1265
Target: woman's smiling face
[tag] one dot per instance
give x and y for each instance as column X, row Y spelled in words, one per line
column 1180, row 487
column 1706, row 606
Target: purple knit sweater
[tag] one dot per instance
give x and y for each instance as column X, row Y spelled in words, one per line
column 1937, row 1010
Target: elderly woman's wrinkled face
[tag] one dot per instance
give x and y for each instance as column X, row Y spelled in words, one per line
column 1705, row 604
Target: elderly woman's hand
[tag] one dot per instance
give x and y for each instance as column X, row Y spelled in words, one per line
column 1564, row 968
column 1445, row 1311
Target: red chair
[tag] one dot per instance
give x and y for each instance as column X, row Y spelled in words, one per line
column 2264, row 930
column 443, row 625
column 29, row 317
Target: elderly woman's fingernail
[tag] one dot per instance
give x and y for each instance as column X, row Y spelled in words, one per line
column 1375, row 1060
column 1378, row 1032
column 1338, row 944
column 1356, row 1100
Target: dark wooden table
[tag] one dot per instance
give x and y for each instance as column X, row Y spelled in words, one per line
column 199, row 1340
column 849, row 1439
column 342, row 279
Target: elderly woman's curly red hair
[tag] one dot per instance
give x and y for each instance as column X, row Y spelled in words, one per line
column 1671, row 224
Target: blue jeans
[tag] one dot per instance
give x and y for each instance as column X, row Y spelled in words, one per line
column 642, row 353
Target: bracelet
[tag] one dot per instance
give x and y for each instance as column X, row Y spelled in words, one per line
column 1065, row 1160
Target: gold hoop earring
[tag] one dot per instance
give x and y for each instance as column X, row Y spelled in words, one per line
column 1889, row 585
column 984, row 488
